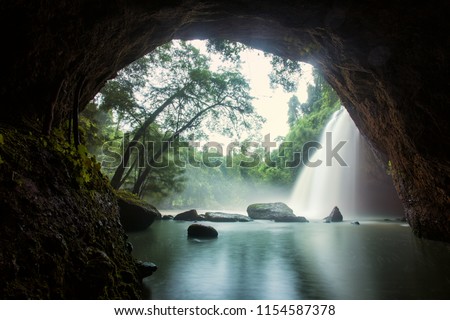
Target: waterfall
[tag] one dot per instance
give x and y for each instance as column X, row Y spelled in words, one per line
column 319, row 189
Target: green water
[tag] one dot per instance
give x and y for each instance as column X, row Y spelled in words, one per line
column 268, row 260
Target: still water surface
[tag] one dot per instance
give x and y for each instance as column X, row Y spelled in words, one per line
column 268, row 260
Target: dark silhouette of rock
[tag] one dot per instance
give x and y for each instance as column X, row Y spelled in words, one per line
column 135, row 214
column 335, row 216
column 355, row 223
column 129, row 247
column 291, row 219
column 269, row 211
column 145, row 269
column 226, row 217
column 190, row 215
column 201, row 231
column 167, row 217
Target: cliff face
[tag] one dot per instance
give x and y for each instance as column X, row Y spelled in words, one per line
column 389, row 63
column 61, row 237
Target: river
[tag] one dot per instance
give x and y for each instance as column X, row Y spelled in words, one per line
column 282, row 261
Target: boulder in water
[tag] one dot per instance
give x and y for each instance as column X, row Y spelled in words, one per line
column 145, row 269
column 269, row 211
column 135, row 214
column 226, row 217
column 190, row 215
column 201, row 231
column 334, row 216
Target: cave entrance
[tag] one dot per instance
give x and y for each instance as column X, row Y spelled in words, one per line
column 394, row 98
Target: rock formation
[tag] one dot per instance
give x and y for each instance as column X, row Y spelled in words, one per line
column 334, row 216
column 226, row 217
column 201, row 231
column 269, row 211
column 60, row 233
column 190, row 215
column 135, row 214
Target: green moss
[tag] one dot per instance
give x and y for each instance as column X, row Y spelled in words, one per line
column 130, row 197
column 59, row 209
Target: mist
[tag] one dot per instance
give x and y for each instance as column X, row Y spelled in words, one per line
column 222, row 189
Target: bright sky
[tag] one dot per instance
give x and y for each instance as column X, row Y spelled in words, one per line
column 272, row 104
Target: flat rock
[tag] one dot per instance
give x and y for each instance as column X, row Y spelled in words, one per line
column 226, row 217
column 269, row 211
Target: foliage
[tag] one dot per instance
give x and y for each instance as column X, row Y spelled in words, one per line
column 285, row 72
column 168, row 93
column 84, row 167
column 293, row 110
column 313, row 115
column 306, row 121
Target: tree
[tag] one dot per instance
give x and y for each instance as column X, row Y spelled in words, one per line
column 180, row 94
column 285, row 72
column 314, row 113
column 293, row 110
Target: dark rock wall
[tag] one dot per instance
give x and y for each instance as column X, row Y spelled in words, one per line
column 60, row 234
column 388, row 60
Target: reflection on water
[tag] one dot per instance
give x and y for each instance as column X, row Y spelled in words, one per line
column 268, row 260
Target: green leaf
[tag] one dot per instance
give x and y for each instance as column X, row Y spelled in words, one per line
column 1, row 139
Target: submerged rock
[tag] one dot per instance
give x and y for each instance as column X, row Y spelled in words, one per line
column 269, row 211
column 202, row 231
column 190, row 215
column 145, row 269
column 355, row 223
column 334, row 216
column 226, row 217
column 167, row 217
column 129, row 247
column 135, row 214
column 291, row 219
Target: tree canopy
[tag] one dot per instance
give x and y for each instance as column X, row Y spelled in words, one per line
column 169, row 92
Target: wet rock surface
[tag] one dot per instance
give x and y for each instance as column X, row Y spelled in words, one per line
column 226, row 217
column 145, row 269
column 135, row 214
column 334, row 216
column 202, row 231
column 190, row 215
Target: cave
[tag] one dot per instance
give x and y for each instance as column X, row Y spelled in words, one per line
column 387, row 60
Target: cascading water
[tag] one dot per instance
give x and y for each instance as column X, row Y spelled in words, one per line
column 319, row 189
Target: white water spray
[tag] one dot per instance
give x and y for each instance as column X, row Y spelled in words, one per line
column 319, row 189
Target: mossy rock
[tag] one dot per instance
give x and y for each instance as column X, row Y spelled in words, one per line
column 135, row 214
column 64, row 219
